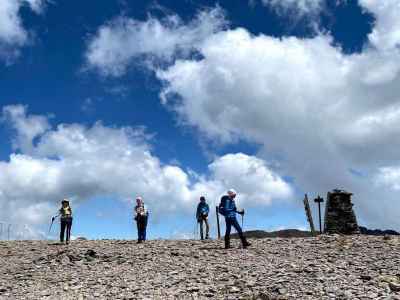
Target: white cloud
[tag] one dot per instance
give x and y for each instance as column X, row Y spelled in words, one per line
column 297, row 8
column 122, row 40
column 316, row 110
column 13, row 35
column 386, row 32
column 28, row 127
column 255, row 178
column 320, row 111
column 389, row 177
column 81, row 162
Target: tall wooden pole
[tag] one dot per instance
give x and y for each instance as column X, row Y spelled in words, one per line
column 217, row 214
column 308, row 214
column 319, row 200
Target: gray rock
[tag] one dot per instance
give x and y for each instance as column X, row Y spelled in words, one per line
column 395, row 287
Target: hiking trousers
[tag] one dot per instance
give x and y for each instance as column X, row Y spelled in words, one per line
column 201, row 220
column 141, row 223
column 233, row 222
column 66, row 224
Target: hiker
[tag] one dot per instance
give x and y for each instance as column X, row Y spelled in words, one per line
column 202, row 216
column 141, row 216
column 65, row 214
column 227, row 208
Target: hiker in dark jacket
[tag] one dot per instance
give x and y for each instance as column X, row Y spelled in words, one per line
column 228, row 209
column 65, row 214
column 202, row 216
column 141, row 217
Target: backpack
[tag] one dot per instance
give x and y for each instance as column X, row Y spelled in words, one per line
column 221, row 206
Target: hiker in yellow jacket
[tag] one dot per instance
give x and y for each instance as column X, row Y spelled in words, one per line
column 65, row 214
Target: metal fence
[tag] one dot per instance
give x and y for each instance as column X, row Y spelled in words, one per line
column 12, row 231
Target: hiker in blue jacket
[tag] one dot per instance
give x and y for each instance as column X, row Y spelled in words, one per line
column 202, row 216
column 228, row 209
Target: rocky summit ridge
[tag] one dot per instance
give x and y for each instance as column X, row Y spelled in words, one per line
column 323, row 267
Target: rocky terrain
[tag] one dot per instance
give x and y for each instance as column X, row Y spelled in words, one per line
column 285, row 233
column 324, row 267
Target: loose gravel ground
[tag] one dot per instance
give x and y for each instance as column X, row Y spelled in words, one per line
column 324, row 267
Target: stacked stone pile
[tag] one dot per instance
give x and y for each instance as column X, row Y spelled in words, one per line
column 339, row 213
column 324, row 267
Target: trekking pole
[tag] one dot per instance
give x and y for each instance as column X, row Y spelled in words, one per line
column 195, row 230
column 51, row 224
column 242, row 219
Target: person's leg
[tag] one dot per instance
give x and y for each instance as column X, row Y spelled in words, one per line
column 62, row 229
column 227, row 233
column 236, row 225
column 207, row 228
column 144, row 229
column 140, row 233
column 69, row 226
column 201, row 228
column 144, row 233
column 138, row 230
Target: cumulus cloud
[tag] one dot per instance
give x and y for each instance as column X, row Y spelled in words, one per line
column 325, row 116
column 122, row 40
column 386, row 32
column 389, row 177
column 80, row 163
column 28, row 127
column 298, row 8
column 255, row 179
column 13, row 35
column 321, row 111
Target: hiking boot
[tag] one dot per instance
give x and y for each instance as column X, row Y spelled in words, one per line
column 246, row 244
column 227, row 244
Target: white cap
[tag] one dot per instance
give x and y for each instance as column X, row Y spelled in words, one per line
column 231, row 192
column 139, row 198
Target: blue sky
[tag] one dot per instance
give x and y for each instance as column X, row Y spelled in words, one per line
column 174, row 99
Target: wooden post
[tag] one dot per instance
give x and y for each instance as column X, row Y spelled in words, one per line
column 319, row 200
column 308, row 214
column 217, row 214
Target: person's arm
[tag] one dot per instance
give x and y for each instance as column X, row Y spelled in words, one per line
column 240, row 211
column 55, row 217
column 207, row 209
column 198, row 211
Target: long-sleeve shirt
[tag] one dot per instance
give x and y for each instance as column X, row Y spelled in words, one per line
column 141, row 211
column 202, row 209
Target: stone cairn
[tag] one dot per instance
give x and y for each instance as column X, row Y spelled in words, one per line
column 339, row 213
